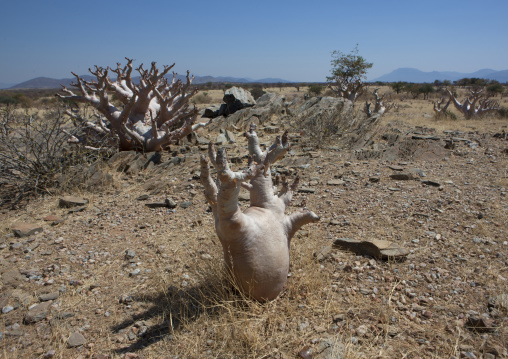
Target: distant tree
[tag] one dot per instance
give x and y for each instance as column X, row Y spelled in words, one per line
column 426, row 89
column 495, row 88
column 398, row 86
column 348, row 74
column 257, row 91
column 315, row 89
column 412, row 89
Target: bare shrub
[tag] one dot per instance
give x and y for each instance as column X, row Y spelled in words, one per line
column 33, row 150
column 202, row 98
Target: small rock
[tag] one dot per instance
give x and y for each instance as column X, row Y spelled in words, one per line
column 37, row 313
column 401, row 176
column 186, row 204
column 25, row 229
column 49, row 296
column 129, row 254
column 7, row 309
column 75, row 340
column 306, row 190
column 72, row 201
column 335, row 182
column 135, row 272
column 49, row 354
column 143, row 197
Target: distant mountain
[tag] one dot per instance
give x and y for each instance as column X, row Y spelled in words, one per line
column 417, row 76
column 49, row 83
column 5, row 86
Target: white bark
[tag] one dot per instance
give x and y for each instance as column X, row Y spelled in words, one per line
column 255, row 242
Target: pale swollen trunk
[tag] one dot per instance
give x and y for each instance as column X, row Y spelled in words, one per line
column 255, row 242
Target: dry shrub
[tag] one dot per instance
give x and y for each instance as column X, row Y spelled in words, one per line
column 202, row 98
column 33, row 151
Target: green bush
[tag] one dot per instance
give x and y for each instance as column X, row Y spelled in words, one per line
column 257, row 92
column 315, row 89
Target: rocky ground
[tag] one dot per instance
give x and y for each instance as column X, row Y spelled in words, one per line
column 135, row 270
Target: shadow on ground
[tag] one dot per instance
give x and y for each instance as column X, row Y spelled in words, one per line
column 177, row 306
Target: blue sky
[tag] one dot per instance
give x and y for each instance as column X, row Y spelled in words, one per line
column 292, row 40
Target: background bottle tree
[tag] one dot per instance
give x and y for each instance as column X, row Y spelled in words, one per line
column 348, row 74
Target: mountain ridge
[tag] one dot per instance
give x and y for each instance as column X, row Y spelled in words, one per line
column 51, row 83
column 409, row 74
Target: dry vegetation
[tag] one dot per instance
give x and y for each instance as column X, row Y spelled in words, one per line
column 169, row 297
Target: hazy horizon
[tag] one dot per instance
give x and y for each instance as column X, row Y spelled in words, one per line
column 288, row 40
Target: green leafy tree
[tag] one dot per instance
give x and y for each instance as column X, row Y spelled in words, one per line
column 398, row 87
column 315, row 89
column 348, row 74
column 495, row 88
column 426, row 89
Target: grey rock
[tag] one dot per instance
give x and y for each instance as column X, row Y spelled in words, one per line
column 306, row 190
column 168, row 203
column 49, row 296
column 336, row 182
column 11, row 277
column 64, row 315
column 72, row 201
column 7, row 309
column 25, row 229
column 401, row 176
column 221, row 139
column 135, row 272
column 76, row 339
column 186, row 204
column 212, row 111
column 37, row 313
column 129, row 254
column 236, row 98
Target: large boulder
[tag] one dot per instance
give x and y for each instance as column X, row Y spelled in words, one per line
column 236, row 98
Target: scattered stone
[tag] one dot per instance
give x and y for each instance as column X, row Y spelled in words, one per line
column 75, row 340
column 72, row 201
column 306, row 352
column 49, row 296
column 12, row 277
column 49, row 354
column 64, row 315
column 479, row 324
column 37, row 312
column 186, row 204
column 401, row 176
column 306, row 190
column 77, row 209
column 396, row 168
column 336, row 182
column 143, row 197
column 168, row 203
column 25, row 229
column 135, row 272
column 129, row 254
column 432, row 183
column 51, row 218
column 7, row 309
column 381, row 249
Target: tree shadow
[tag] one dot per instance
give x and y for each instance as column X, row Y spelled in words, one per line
column 178, row 307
